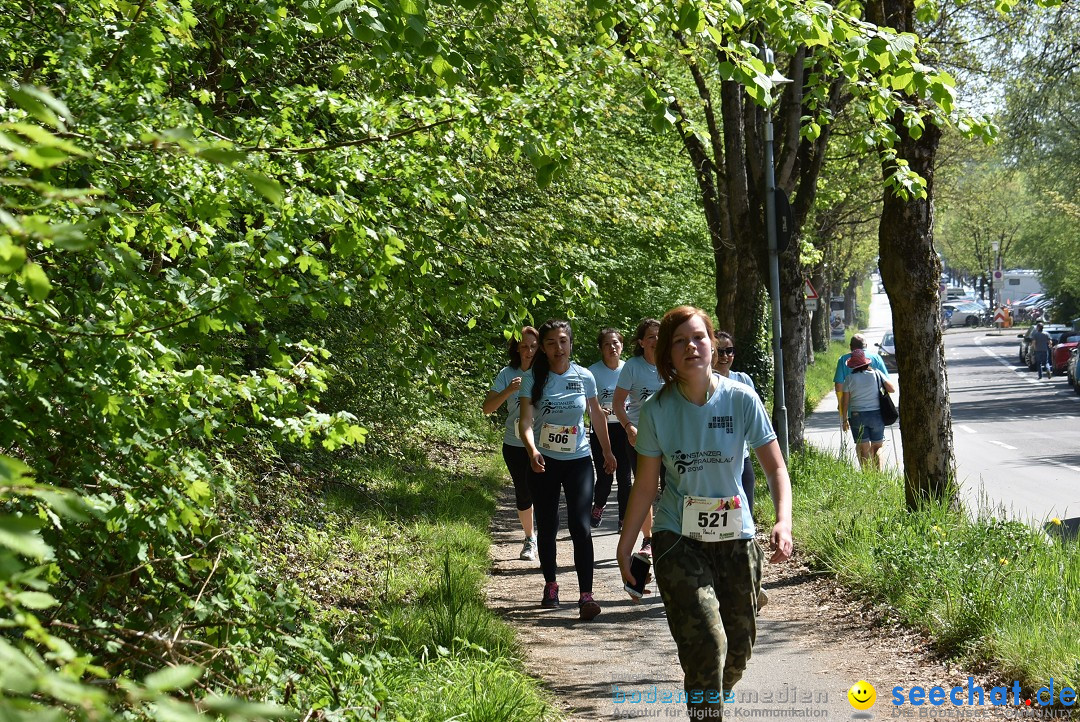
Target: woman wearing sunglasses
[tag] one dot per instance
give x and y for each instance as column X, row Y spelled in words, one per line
column 723, row 357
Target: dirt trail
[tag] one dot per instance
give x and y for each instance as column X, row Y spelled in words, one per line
column 814, row 641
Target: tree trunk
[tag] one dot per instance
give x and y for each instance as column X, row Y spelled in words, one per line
column 850, row 291
column 911, row 270
column 793, row 321
column 819, row 324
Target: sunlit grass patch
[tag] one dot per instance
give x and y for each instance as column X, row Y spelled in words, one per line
column 985, row 590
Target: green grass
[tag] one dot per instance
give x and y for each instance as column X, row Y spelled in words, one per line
column 394, row 550
column 987, row 591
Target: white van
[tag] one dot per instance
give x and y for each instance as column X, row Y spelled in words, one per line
column 1016, row 284
column 954, row 293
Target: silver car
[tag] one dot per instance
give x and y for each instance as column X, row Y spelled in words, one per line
column 962, row 314
column 887, row 351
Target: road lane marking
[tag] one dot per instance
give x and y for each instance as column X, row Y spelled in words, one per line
column 1003, row 444
column 967, row 429
column 1063, row 464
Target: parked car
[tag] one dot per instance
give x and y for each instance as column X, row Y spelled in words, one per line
column 962, row 314
column 1027, row 351
column 1021, row 310
column 1071, row 370
column 887, row 351
column 1063, row 350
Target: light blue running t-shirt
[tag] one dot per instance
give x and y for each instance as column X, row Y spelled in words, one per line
column 743, row 378
column 559, row 415
column 606, row 378
column 702, row 446
column 641, row 380
column 513, row 407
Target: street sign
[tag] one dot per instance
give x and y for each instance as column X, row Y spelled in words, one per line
column 809, row 292
column 785, row 221
column 999, row 317
column 997, row 275
column 811, row 304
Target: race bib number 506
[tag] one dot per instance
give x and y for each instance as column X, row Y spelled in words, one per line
column 562, row 439
column 712, row 518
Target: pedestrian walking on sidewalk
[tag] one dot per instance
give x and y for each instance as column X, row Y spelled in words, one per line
column 707, row 564
column 861, row 410
column 638, row 381
column 504, row 390
column 606, row 372
column 1042, row 343
column 554, row 399
column 858, row 341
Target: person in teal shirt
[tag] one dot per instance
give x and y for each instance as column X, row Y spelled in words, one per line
column 606, row 372
column 707, row 563
column 858, row 341
column 504, row 390
column 554, row 399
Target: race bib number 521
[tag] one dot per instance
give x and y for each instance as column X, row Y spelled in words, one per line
column 712, row 518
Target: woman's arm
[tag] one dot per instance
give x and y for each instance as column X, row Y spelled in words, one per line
column 495, row 399
column 888, row 385
column 600, row 429
column 646, row 484
column 525, row 430
column 772, row 463
column 618, row 405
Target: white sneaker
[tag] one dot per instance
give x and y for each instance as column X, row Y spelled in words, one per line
column 528, row 550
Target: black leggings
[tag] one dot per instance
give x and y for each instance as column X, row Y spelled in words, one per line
column 576, row 477
column 619, row 446
column 748, row 482
column 517, row 463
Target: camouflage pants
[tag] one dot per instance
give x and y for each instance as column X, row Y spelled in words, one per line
column 710, row 594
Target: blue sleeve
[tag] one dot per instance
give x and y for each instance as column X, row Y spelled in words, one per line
column 626, row 377
column 590, row 383
column 526, row 386
column 501, row 381
column 839, row 376
column 759, row 430
column 647, row 443
column 876, row 362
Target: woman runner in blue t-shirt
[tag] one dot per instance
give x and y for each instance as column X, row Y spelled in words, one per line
column 504, row 389
column 707, row 564
column 606, row 372
column 554, row 399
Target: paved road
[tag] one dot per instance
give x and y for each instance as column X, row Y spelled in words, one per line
column 1017, row 438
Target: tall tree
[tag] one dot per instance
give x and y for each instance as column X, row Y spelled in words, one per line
column 702, row 74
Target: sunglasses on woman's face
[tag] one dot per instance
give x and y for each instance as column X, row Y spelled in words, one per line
column 729, row 351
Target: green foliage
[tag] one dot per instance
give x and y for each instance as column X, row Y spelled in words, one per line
column 45, row 676
column 201, row 185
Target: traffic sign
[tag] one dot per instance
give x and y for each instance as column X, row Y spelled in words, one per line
column 811, row 304
column 997, row 275
column 999, row 317
column 809, row 292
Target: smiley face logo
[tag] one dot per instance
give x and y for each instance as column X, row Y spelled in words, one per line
column 862, row 695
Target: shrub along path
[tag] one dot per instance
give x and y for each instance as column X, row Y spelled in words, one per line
column 814, row 640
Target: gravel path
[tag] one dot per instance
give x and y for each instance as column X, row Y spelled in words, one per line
column 814, row 641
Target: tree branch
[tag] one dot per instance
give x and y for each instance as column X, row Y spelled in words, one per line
column 349, row 143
